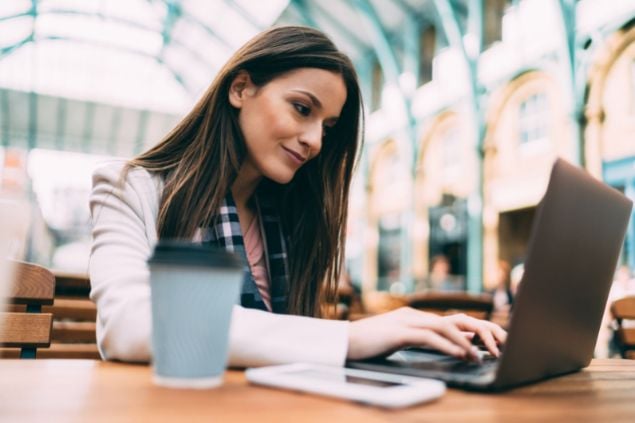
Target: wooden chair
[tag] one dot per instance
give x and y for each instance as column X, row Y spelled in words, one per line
column 26, row 328
column 476, row 305
column 623, row 311
column 74, row 316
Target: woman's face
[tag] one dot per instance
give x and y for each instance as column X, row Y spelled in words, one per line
column 284, row 121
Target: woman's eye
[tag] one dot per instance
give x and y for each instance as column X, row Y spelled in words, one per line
column 302, row 109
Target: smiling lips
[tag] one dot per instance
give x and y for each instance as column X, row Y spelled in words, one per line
column 295, row 157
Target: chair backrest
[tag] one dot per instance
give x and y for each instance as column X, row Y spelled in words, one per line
column 477, row 305
column 74, row 316
column 25, row 326
column 623, row 311
column 73, row 323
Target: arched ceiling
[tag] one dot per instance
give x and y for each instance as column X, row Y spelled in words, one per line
column 112, row 76
column 149, row 54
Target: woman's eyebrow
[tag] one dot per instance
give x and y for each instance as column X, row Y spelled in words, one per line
column 313, row 98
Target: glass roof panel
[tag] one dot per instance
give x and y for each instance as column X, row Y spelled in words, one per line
column 99, row 31
column 15, row 30
column 9, row 8
column 153, row 54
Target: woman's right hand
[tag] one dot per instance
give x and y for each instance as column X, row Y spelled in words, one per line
column 406, row 326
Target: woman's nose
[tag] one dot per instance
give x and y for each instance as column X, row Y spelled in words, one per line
column 312, row 138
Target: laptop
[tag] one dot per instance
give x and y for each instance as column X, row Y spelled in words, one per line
column 576, row 238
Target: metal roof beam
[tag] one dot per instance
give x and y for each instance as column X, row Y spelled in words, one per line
column 302, row 7
column 576, row 85
column 17, row 15
column 62, row 106
column 167, row 39
column 6, row 51
column 449, row 21
column 89, row 124
column 33, row 118
column 380, row 40
column 392, row 70
column 172, row 15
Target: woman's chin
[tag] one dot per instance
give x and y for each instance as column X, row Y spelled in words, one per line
column 281, row 178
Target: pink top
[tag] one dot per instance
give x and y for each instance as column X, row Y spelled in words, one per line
column 257, row 259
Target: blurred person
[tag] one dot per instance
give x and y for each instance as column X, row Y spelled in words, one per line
column 439, row 277
column 623, row 285
column 516, row 276
column 270, row 147
column 502, row 293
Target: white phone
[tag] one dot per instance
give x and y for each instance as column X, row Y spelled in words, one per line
column 384, row 390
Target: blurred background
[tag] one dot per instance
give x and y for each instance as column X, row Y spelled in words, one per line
column 468, row 103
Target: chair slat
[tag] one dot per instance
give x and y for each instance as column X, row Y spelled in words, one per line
column 71, row 284
column 26, row 330
column 70, row 351
column 58, row 350
column 72, row 308
column 35, row 285
column 444, row 302
column 74, row 332
column 624, row 308
column 627, row 336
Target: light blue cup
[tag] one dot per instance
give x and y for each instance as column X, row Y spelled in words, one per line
column 193, row 291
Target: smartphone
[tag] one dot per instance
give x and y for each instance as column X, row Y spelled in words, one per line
column 380, row 389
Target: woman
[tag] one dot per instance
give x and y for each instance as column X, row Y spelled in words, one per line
column 269, row 149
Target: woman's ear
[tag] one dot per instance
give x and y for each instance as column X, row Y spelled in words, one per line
column 240, row 88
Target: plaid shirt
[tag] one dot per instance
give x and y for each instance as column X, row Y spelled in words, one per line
column 226, row 233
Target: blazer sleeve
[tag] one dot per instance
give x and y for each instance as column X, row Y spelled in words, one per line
column 119, row 275
column 124, row 233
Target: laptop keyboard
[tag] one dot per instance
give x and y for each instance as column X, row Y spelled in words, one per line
column 433, row 361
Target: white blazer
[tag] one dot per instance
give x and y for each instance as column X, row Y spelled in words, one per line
column 124, row 220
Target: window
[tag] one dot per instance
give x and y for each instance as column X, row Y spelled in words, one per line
column 493, row 11
column 427, row 50
column 389, row 251
column 377, row 86
column 533, row 119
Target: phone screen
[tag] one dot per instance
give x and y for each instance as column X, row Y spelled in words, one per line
column 333, row 377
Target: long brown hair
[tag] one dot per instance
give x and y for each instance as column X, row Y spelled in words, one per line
column 200, row 158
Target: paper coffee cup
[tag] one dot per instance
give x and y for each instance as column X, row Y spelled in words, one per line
column 193, row 290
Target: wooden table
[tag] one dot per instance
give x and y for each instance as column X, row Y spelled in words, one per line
column 86, row 390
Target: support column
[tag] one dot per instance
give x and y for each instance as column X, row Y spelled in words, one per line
column 392, row 71
column 450, row 24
